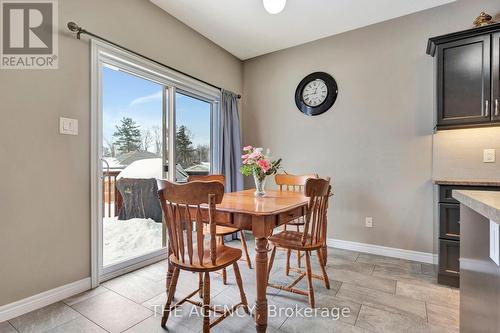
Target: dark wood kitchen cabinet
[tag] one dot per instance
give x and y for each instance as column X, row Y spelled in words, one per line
column 495, row 75
column 467, row 77
column 449, row 232
column 449, row 237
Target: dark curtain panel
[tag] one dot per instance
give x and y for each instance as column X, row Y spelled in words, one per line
column 230, row 142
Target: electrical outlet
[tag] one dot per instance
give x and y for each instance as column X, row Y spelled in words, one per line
column 369, row 222
column 489, row 155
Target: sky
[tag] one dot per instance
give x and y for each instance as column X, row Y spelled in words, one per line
column 126, row 95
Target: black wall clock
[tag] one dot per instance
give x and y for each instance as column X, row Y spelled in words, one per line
column 316, row 93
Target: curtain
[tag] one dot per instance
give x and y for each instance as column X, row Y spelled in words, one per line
column 230, row 142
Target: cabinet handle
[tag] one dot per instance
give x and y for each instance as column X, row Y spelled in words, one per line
column 496, row 107
column 487, row 108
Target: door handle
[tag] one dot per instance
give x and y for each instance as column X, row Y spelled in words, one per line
column 496, row 107
column 487, row 108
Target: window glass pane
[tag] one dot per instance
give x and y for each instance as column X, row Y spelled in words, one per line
column 132, row 155
column 193, row 136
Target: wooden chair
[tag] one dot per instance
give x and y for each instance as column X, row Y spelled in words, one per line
column 222, row 231
column 296, row 183
column 312, row 238
column 181, row 206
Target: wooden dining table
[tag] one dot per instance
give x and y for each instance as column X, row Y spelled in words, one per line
column 260, row 215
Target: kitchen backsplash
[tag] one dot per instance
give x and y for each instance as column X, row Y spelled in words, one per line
column 459, row 153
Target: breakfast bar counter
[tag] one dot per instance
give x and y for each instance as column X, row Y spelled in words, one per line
column 487, row 203
column 479, row 249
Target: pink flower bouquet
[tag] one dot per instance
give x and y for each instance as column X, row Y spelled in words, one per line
column 260, row 165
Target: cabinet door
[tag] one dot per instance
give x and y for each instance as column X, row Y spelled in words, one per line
column 495, row 70
column 463, row 84
column 449, row 262
column 449, row 221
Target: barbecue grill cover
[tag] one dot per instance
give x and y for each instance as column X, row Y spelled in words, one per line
column 140, row 199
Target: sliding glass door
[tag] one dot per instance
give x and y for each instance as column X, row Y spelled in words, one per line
column 149, row 123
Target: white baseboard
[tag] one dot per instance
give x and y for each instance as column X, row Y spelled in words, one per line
column 45, row 298
column 424, row 257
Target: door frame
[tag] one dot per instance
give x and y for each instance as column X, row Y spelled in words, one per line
column 102, row 52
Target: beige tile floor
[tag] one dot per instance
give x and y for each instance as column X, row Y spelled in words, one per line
column 377, row 294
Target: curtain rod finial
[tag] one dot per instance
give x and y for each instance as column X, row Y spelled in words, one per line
column 72, row 26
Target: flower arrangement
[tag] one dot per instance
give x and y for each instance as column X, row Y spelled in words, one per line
column 260, row 165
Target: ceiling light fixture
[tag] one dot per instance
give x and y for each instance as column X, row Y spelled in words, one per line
column 274, row 6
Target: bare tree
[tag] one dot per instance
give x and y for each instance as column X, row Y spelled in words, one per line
column 147, row 138
column 157, row 139
column 109, row 150
column 203, row 153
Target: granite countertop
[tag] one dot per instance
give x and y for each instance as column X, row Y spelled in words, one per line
column 466, row 181
column 486, row 203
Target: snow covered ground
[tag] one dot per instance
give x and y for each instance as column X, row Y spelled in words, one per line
column 131, row 238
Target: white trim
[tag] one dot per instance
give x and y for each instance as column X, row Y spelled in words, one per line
column 132, row 267
column 45, row 298
column 134, row 262
column 424, row 257
column 171, row 131
column 95, row 167
column 153, row 71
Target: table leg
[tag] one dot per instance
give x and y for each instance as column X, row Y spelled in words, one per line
column 261, row 275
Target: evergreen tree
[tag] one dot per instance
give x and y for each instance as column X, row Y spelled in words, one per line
column 184, row 146
column 128, row 136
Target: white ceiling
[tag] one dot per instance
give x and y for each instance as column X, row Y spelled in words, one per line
column 246, row 30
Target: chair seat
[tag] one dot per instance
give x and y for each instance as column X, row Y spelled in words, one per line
column 292, row 240
column 225, row 256
column 220, row 230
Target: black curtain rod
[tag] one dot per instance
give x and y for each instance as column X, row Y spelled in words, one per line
column 75, row 28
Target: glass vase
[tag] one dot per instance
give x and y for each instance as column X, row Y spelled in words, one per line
column 260, row 184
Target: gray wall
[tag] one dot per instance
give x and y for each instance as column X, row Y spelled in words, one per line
column 45, row 177
column 376, row 141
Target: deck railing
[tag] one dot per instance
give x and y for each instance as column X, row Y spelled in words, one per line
column 111, row 198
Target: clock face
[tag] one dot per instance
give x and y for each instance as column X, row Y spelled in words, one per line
column 315, row 93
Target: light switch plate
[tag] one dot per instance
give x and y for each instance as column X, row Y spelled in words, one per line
column 68, row 126
column 489, row 155
column 494, row 243
column 369, row 222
